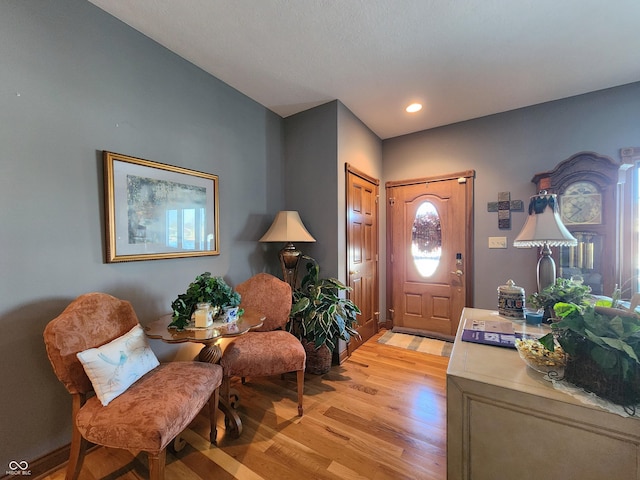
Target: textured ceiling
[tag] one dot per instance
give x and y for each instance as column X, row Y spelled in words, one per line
column 462, row 59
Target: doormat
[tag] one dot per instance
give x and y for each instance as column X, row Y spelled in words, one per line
column 418, row 344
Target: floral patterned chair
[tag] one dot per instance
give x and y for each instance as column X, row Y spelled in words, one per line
column 144, row 416
column 269, row 349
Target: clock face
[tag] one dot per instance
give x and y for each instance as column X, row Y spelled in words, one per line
column 581, row 203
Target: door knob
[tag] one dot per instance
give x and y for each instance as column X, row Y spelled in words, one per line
column 458, row 273
column 353, row 272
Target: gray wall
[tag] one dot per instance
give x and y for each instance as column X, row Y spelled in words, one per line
column 359, row 147
column 311, row 182
column 506, row 150
column 75, row 81
column 318, row 144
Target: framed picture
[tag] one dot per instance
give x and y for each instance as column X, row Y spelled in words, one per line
column 155, row 211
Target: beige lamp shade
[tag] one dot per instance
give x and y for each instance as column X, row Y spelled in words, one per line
column 543, row 225
column 287, row 227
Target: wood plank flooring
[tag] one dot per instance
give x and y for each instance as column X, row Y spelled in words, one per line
column 381, row 415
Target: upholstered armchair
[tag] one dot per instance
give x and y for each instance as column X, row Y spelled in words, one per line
column 143, row 411
column 269, row 349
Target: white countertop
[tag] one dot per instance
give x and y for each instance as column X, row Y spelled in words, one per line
column 500, row 366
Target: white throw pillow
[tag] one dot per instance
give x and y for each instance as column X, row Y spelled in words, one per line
column 115, row 366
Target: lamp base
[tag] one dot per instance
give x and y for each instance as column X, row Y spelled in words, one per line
column 289, row 256
column 546, row 269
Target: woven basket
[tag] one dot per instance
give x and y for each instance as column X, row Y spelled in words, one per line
column 318, row 361
column 584, row 372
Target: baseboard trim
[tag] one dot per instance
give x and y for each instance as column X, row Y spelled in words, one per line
column 45, row 464
column 342, row 356
column 48, row 463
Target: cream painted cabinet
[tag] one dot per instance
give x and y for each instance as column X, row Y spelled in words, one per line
column 504, row 421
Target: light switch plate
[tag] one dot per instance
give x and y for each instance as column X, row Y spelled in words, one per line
column 497, row 242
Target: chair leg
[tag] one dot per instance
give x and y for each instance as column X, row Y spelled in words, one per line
column 156, row 464
column 213, row 415
column 300, row 375
column 76, row 456
column 78, row 443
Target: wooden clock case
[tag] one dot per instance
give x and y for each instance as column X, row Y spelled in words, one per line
column 594, row 258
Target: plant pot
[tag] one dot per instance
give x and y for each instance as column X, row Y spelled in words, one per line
column 582, row 371
column 318, row 361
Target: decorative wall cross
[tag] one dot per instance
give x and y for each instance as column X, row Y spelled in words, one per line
column 504, row 206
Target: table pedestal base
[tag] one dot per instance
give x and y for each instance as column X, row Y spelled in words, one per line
column 211, row 353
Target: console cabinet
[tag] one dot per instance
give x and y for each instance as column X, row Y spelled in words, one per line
column 504, row 421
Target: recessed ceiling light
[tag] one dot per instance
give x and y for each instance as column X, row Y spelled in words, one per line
column 414, row 107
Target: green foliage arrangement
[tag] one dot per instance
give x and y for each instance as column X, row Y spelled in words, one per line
column 615, row 299
column 319, row 313
column 613, row 343
column 564, row 290
column 205, row 288
column 616, row 341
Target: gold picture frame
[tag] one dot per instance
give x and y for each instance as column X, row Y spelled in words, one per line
column 156, row 211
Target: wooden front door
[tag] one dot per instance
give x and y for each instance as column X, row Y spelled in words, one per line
column 429, row 250
column 362, row 251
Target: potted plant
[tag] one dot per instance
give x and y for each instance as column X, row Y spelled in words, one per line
column 320, row 315
column 204, row 289
column 563, row 290
column 603, row 350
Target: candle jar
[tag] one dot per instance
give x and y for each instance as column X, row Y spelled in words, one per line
column 203, row 316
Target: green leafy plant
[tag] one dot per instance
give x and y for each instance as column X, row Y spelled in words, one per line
column 612, row 343
column 563, row 290
column 320, row 313
column 615, row 299
column 204, row 289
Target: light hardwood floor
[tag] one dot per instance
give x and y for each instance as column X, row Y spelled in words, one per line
column 380, row 415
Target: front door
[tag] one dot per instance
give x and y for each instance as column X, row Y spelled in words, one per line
column 362, row 251
column 430, row 235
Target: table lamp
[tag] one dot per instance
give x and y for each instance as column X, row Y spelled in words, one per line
column 287, row 227
column 544, row 228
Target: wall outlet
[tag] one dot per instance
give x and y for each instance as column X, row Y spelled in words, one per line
column 497, row 242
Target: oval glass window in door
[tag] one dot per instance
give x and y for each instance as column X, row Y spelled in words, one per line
column 426, row 239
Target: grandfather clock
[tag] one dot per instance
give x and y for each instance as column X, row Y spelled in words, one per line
column 587, row 189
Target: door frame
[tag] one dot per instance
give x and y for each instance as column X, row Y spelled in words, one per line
column 349, row 169
column 467, row 177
